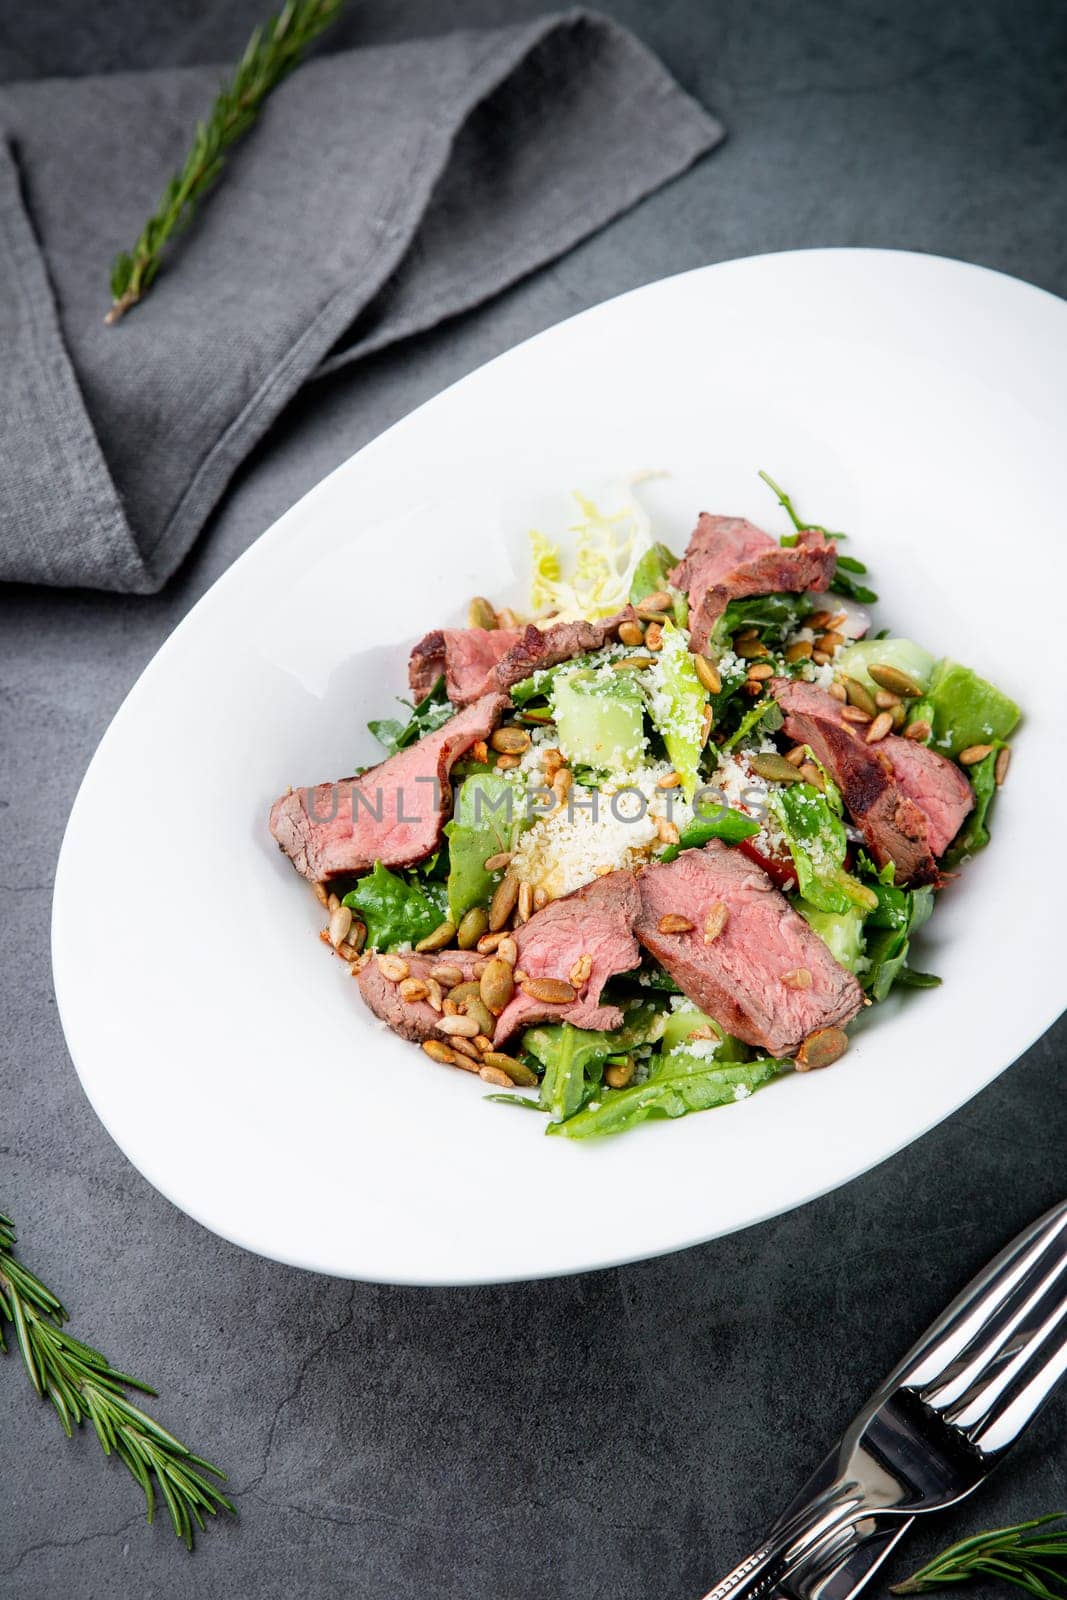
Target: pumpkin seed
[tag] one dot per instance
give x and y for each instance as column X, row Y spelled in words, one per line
column 497, row 985
column 631, row 633
column 776, row 769
column 437, row 1051
column 619, row 1074
column 632, row 664
column 896, row 682
column 504, row 900
column 821, row 1049
column 708, row 674
column 517, row 1071
column 899, row 716
column 859, row 695
column 480, row 613
column 476, row 1008
column 750, row 649
column 1000, row 768
column 673, row 923
column 974, row 753
column 878, row 729
column 510, row 741
column 715, row 921
column 441, row 936
column 463, row 991
column 471, row 927
column 799, row 650
column 552, row 991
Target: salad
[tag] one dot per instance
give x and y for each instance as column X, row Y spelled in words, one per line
column 660, row 842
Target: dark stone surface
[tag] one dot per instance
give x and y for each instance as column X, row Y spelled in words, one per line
column 623, row 1434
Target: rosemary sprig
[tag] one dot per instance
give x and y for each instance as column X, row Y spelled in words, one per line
column 1036, row 1562
column 80, row 1382
column 270, row 55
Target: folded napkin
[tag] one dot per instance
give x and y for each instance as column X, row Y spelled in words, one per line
column 382, row 190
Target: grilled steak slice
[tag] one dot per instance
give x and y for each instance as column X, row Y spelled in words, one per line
column 596, row 921
column 908, row 800
column 477, row 661
column 411, row 1019
column 729, row 558
column 392, row 813
column 766, row 977
column 465, row 657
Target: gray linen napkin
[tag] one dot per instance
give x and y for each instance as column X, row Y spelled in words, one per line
column 383, row 190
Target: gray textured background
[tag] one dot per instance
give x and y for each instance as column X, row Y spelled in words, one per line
column 621, row 1434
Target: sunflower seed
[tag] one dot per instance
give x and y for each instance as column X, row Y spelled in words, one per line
column 715, row 921
column 799, row 978
column 579, row 973
column 974, row 753
column 673, row 923
column 447, row 974
column 878, row 729
column 439, row 1052
column 413, row 989
column 799, row 650
column 1003, row 761
column 504, row 901
column 340, row 922
column 631, row 633
column 393, row 968
column 465, row 1026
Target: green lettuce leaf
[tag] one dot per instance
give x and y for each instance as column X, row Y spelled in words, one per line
column 818, row 843
column 395, row 909
column 679, row 1085
column 676, row 705
column 898, row 914
column 974, row 835
column 488, row 818
column 651, row 577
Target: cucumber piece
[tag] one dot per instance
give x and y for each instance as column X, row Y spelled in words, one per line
column 683, row 1022
column 840, row 931
column 907, row 657
column 599, row 724
column 967, row 709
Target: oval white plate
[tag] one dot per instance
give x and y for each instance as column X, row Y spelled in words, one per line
column 919, row 404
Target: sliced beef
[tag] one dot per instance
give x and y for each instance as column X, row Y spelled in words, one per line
column 596, row 921
column 464, row 657
column 908, row 800
column 729, row 558
column 765, row 977
column 411, row 1019
column 392, row 813
column 477, row 661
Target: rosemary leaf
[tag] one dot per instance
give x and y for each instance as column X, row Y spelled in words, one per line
column 80, row 1382
column 270, row 55
column 1033, row 1562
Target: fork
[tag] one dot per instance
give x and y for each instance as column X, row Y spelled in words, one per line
column 941, row 1421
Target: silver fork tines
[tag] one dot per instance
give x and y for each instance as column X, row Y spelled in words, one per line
column 937, row 1426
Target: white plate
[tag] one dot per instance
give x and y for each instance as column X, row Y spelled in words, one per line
column 919, row 404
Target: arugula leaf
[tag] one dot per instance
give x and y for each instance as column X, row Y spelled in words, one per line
column 974, row 835
column 430, row 713
column 767, row 713
column 773, row 615
column 395, row 910
column 786, row 503
column 898, row 914
column 841, row 583
column 573, row 1058
column 679, row 1085
column 818, row 843
column 489, row 816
